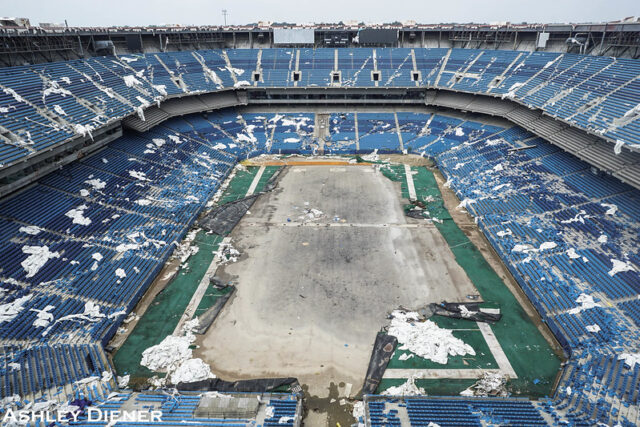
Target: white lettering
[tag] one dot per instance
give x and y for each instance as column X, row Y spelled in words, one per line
column 94, row 414
column 156, row 416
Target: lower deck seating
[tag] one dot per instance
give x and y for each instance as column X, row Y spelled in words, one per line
column 97, row 232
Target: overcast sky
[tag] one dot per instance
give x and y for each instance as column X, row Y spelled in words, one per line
column 144, row 12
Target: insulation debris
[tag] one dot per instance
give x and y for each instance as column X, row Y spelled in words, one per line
column 586, row 302
column 43, row 317
column 38, row 257
column 490, row 384
column 426, row 339
column 620, row 267
column 10, row 310
column 630, row 359
column 191, row 370
column 123, row 381
column 358, row 413
column 31, row 229
column 226, row 253
column 174, row 357
column 409, row 388
column 77, row 215
column 593, row 328
column 138, row 175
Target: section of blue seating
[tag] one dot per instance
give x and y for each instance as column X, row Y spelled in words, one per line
column 66, row 99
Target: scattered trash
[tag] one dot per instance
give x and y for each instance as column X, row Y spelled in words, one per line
column 490, row 384
column 409, row 388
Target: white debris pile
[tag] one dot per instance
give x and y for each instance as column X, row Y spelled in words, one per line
column 409, row 388
column 174, row 357
column 547, row 245
column 162, row 89
column 184, row 249
column 91, row 313
column 211, row 75
column 630, row 359
column 54, row 88
column 572, row 253
column 131, row 80
column 242, row 83
column 358, row 413
column 10, row 310
column 459, row 131
column 83, row 130
column 123, row 381
column 373, row 157
column 139, row 241
column 237, row 71
column 490, row 384
column 43, row 317
column 77, row 215
column 620, row 267
column 611, row 208
column 96, row 183
column 593, row 328
column 310, row 214
column 30, row 229
column 191, row 370
column 58, row 109
column 138, row 175
column 227, row 253
column 505, row 233
column 426, row 339
column 586, row 302
column 464, row 204
column 512, row 90
column 38, row 257
column 169, row 354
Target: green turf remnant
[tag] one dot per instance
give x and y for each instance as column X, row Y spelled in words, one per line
column 164, row 313
column 530, row 355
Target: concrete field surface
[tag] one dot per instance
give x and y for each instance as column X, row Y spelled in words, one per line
column 314, row 289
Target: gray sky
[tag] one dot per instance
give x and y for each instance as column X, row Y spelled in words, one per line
column 139, row 12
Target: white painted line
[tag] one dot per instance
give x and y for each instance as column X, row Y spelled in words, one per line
column 337, row 224
column 410, row 186
column 199, row 293
column 496, row 350
column 437, row 373
column 255, row 181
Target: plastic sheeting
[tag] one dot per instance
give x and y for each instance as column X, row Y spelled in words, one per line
column 209, row 316
column 246, row 386
column 382, row 352
column 465, row 310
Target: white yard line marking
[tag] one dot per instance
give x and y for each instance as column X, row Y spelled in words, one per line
column 199, row 293
column 410, row 186
column 437, row 373
column 496, row 350
column 254, row 183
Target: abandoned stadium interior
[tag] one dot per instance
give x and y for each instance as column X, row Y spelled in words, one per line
column 285, row 234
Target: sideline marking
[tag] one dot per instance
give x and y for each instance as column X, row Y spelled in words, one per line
column 473, row 374
column 199, row 293
column 256, row 179
column 496, row 350
column 410, row 186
